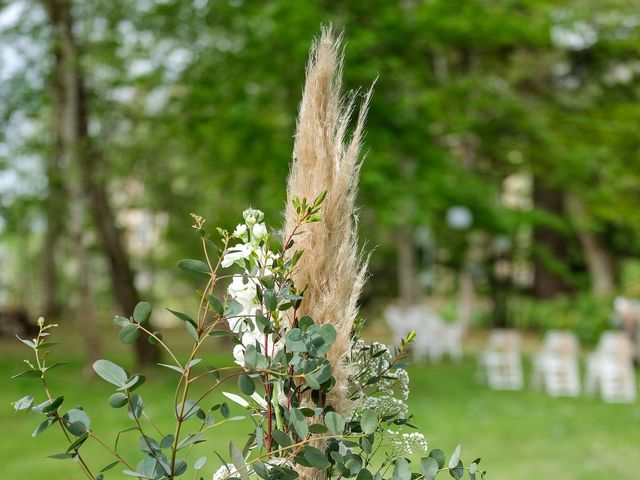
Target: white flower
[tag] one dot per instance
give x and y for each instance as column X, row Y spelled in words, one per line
column 225, row 471
column 234, row 254
column 255, row 337
column 259, row 231
column 243, row 292
column 407, row 443
column 241, row 232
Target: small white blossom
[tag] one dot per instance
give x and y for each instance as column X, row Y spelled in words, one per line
column 241, row 232
column 234, row 254
column 243, row 291
column 407, row 443
column 259, row 232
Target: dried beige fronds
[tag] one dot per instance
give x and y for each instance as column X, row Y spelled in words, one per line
column 326, row 158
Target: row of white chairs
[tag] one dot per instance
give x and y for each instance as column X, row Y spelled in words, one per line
column 435, row 337
column 609, row 369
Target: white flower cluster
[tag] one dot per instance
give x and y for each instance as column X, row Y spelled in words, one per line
column 390, row 393
column 225, row 471
column 404, row 443
column 252, row 254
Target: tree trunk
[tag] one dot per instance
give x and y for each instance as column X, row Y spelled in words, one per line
column 407, row 275
column 599, row 260
column 55, row 204
column 551, row 246
column 86, row 157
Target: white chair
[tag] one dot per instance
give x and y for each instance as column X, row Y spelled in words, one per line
column 556, row 366
column 502, row 360
column 434, row 338
column 610, row 369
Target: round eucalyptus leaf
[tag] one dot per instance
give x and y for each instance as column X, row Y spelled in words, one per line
column 142, row 312
column 334, row 422
column 76, row 422
column 129, row 333
column 118, row 400
column 246, row 384
column 110, row 372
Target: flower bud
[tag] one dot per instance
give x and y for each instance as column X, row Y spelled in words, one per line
column 259, row 231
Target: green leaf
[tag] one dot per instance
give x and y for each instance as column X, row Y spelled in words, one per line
column 148, row 445
column 364, row 474
column 180, row 468
column 401, row 470
column 222, row 333
column 110, row 372
column 28, row 343
column 189, row 410
column 270, row 300
column 192, row 331
column 172, row 367
column 315, row 457
column 473, row 468
column 238, row 461
column 439, row 456
column 334, row 422
column 23, row 404
column 50, row 405
column 134, row 382
column 232, row 308
column 311, row 381
column 136, row 406
column 142, row 312
column 295, row 341
column 35, row 373
column 261, row 470
column 182, row 316
column 195, row 268
column 122, row 321
column 155, row 338
column 118, row 400
column 216, row 305
column 199, row 463
column 282, row 438
column 76, row 422
column 429, row 467
column 299, row 423
column 129, row 333
column 191, row 440
column 61, row 456
column 75, row 445
column 457, row 471
column 43, row 426
column 110, row 466
column 455, row 457
column 246, row 384
column 369, row 421
column 317, row 428
column 167, row 441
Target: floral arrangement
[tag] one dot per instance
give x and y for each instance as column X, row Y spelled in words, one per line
column 322, row 402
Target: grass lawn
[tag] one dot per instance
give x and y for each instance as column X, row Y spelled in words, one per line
column 519, row 435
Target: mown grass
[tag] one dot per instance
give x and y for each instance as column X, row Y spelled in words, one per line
column 519, row 435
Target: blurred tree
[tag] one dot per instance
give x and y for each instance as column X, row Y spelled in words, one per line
column 72, row 134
